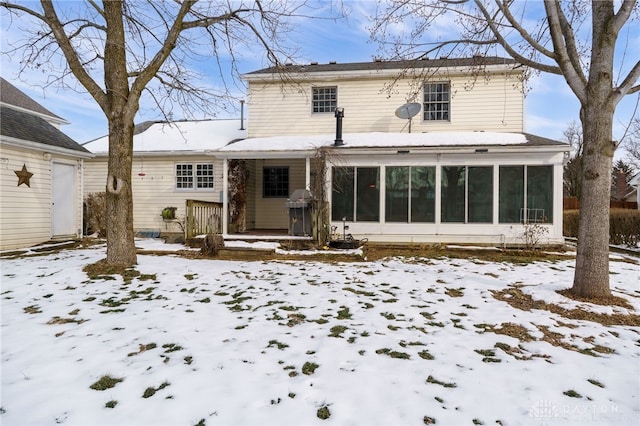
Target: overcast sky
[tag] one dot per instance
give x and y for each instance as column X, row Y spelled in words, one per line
column 550, row 105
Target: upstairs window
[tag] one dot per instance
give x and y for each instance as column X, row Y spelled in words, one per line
column 437, row 101
column 325, row 99
column 194, row 176
column 275, row 182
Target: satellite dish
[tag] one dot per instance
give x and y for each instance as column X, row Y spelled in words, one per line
column 408, row 111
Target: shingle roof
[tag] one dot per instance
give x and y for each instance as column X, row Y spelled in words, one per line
column 388, row 65
column 11, row 95
column 28, row 127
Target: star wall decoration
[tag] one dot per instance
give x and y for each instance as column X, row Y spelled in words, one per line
column 23, row 176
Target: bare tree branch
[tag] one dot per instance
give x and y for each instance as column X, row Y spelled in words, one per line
column 51, row 18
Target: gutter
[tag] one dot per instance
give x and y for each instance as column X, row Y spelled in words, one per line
column 20, row 143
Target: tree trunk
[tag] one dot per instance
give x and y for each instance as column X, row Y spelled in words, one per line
column 591, row 278
column 120, row 112
column 121, row 248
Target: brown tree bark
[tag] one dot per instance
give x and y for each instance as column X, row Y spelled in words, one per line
column 120, row 238
column 591, row 278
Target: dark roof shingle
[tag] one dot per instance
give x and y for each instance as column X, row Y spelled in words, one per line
column 476, row 61
column 11, row 95
column 28, row 127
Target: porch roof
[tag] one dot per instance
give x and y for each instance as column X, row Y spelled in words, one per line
column 193, row 136
column 305, row 145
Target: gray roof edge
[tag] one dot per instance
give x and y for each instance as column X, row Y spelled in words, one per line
column 388, row 65
column 10, row 95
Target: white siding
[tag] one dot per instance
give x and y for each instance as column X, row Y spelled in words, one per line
column 25, row 212
column 493, row 104
column 272, row 213
column 157, row 188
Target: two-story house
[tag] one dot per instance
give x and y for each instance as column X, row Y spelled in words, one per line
column 429, row 151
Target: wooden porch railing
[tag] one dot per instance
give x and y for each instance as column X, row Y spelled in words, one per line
column 203, row 217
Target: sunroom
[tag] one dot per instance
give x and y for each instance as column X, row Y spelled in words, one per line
column 451, row 188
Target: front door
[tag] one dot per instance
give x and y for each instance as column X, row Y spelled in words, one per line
column 63, row 195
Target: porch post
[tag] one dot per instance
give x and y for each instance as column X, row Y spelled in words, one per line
column 307, row 173
column 225, row 196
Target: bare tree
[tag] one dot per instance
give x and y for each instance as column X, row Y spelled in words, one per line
column 572, row 170
column 632, row 145
column 120, row 50
column 575, row 39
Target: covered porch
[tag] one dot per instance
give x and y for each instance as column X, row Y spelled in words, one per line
column 256, row 189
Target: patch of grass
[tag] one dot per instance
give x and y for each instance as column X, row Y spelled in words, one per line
column 508, row 329
column 393, row 354
column 201, row 422
column 143, row 348
column 595, row 383
column 112, row 311
column 360, row 292
column 477, row 422
column 485, row 352
column 277, row 344
column 33, row 309
column 323, row 413
column 454, row 292
column 205, row 300
column 388, row 315
column 428, row 420
column 295, row 319
column 309, row 368
column 433, row 380
column 111, row 404
column 190, row 277
column 105, row 382
column 425, row 355
column 336, row 331
column 572, row 394
column 516, row 298
column 427, row 315
column 147, row 277
column 291, row 395
column 89, row 299
column 344, row 314
column 188, row 359
column 288, row 308
column 58, row 320
column 150, row 391
column 172, row 347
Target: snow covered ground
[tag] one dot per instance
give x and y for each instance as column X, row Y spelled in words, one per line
column 391, row 342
